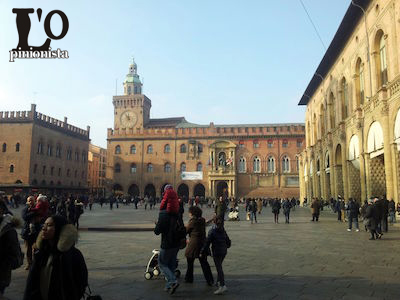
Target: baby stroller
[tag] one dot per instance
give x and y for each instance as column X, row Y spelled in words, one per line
column 154, row 270
column 233, row 214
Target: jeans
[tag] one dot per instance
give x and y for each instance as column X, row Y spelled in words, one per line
column 167, row 263
column 287, row 217
column 315, row 217
column 253, row 215
column 218, row 265
column 351, row 219
column 392, row 217
column 204, row 266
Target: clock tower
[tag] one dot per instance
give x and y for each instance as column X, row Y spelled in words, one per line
column 132, row 110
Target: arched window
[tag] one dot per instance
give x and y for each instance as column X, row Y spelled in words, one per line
column 183, row 167
column 4, row 148
column 40, row 148
column 167, row 148
column 50, row 150
column 285, row 164
column 332, row 118
column 256, row 164
column 133, row 168
column 17, row 147
column 360, row 82
column 58, row 151
column 200, row 148
column 76, row 173
column 149, row 168
column 297, row 164
column 183, row 148
column 199, row 167
column 129, row 90
column 118, row 149
column 270, row 143
column 256, row 144
column 136, row 90
column 271, row 164
column 12, row 169
column 345, row 99
column 382, row 60
column 242, row 165
column 133, row 149
column 285, row 143
column 167, row 168
column 68, row 173
column 117, row 168
column 149, row 149
column 321, row 122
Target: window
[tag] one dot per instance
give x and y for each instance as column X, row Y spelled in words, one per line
column 84, row 155
column 200, row 148
column 271, row 164
column 256, row 165
column 117, row 168
column 51, row 170
column 167, row 148
column 129, row 90
column 345, row 99
column 118, row 149
column 133, row 149
column 39, row 149
column 199, row 167
column 34, row 169
column 382, row 60
column 149, row 149
column 12, row 169
column 360, row 81
column 167, row 168
column 68, row 173
column 149, row 168
column 256, row 144
column 133, row 168
column 241, row 144
column 49, row 150
column 17, row 147
column 270, row 143
column 285, row 164
column 285, row 144
column 183, row 167
column 136, row 90
column 59, row 171
column 76, row 156
column 44, row 170
column 76, row 173
column 299, row 143
column 183, row 148
column 69, row 154
column 58, row 151
column 242, row 165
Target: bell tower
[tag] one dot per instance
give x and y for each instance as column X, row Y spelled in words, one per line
column 131, row 110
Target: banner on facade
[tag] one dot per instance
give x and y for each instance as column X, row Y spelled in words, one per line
column 192, row 176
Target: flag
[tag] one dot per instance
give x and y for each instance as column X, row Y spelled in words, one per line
column 229, row 161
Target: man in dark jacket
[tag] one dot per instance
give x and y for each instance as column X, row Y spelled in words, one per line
column 385, row 213
column 354, row 210
column 169, row 249
column 9, row 246
column 220, row 208
column 371, row 217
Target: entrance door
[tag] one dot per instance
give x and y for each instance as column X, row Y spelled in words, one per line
column 222, row 189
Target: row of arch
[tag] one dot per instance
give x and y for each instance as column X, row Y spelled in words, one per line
column 4, row 147
column 267, row 165
column 329, row 114
column 150, row 167
column 182, row 190
column 78, row 155
column 149, row 149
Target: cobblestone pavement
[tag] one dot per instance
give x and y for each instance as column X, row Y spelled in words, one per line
column 300, row 260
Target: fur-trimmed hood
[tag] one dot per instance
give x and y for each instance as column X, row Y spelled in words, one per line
column 68, row 238
column 9, row 221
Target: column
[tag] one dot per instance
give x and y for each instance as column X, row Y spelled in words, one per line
column 233, row 188
column 395, row 174
column 363, row 178
column 388, row 158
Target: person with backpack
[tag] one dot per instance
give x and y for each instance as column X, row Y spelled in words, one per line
column 11, row 256
column 59, row 270
column 220, row 242
column 172, row 232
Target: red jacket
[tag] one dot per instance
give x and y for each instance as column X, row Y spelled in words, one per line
column 42, row 208
column 170, row 202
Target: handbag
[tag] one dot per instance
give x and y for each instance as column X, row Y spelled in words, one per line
column 89, row 296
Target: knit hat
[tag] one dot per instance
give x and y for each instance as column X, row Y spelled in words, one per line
column 168, row 187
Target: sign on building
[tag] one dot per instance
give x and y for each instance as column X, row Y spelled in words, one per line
column 192, row 175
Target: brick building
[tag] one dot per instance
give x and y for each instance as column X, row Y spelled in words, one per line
column 97, row 170
column 143, row 154
column 41, row 154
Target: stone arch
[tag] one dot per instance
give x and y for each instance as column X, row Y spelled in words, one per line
column 380, row 48
column 354, row 178
column 117, row 188
column 199, row 190
column 327, row 175
column 376, row 160
column 150, row 190
column 183, row 191
column 133, row 190
column 360, row 82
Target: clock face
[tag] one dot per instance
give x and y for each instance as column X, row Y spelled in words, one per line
column 128, row 119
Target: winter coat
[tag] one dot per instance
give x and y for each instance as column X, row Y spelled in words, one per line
column 220, row 208
column 28, row 216
column 42, row 209
column 253, row 207
column 170, row 202
column 286, row 206
column 196, row 229
column 276, row 206
column 163, row 227
column 219, row 241
column 379, row 209
column 371, row 215
column 354, row 209
column 315, row 207
column 9, row 247
column 69, row 275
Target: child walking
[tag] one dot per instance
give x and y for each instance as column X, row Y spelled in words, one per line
column 220, row 242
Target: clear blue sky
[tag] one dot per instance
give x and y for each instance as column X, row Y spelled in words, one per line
column 226, row 62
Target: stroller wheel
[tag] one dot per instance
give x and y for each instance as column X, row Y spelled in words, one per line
column 148, row 275
column 177, row 273
column 156, row 272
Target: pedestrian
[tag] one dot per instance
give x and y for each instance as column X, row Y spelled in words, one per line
column 276, row 206
column 392, row 211
column 287, row 205
column 253, row 211
column 42, row 207
column 315, row 208
column 220, row 242
column 9, row 246
column 170, row 200
column 354, row 210
column 259, row 205
column 371, row 219
column 338, row 205
column 220, row 208
column 169, row 247
column 196, row 229
column 385, row 214
column 146, row 201
column 59, row 269
column 91, row 200
column 30, row 229
column 78, row 212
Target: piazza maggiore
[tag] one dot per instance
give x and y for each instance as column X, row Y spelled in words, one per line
column 353, row 109
column 246, row 160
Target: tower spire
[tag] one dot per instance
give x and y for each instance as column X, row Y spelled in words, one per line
column 132, row 83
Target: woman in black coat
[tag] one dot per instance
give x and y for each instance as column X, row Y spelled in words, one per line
column 59, row 269
column 276, row 206
column 196, row 229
